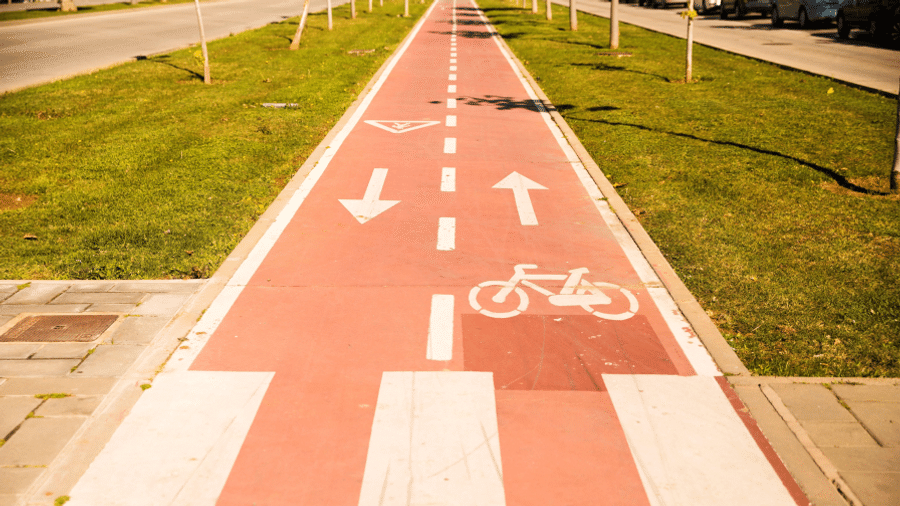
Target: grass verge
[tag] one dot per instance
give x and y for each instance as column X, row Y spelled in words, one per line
column 142, row 171
column 764, row 188
column 88, row 9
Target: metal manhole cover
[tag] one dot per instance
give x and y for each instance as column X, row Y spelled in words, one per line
column 59, row 328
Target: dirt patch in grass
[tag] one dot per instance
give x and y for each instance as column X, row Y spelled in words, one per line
column 11, row 202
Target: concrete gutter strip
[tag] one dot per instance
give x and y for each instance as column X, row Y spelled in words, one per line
column 821, row 460
column 794, row 455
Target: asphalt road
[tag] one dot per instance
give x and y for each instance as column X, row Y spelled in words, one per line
column 48, row 50
column 819, row 51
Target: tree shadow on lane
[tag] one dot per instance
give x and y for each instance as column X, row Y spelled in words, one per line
column 508, row 103
column 834, row 176
column 467, row 34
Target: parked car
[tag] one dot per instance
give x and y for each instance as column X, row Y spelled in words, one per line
column 661, row 4
column 805, row 12
column 706, row 6
column 880, row 17
column 741, row 8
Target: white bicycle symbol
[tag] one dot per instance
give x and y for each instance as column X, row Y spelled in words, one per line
column 575, row 292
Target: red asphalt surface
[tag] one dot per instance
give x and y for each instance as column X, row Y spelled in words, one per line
column 336, row 302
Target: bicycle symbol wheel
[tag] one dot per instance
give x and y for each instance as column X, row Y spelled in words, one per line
column 473, row 299
column 632, row 304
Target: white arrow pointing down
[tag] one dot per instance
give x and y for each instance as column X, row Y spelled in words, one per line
column 370, row 207
column 520, row 185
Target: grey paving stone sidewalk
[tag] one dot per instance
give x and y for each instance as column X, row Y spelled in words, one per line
column 848, row 430
column 49, row 390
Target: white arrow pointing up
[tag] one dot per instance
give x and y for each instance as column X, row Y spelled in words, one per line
column 520, row 185
column 370, row 207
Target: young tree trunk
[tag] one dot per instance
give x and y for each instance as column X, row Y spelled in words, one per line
column 614, row 24
column 405, row 8
column 895, row 172
column 573, row 16
column 534, row 6
column 206, row 78
column 370, row 6
column 352, row 9
column 330, row 22
column 690, row 50
column 549, row 11
column 295, row 44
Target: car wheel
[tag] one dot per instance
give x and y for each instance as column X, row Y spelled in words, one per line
column 776, row 18
column 843, row 29
column 740, row 10
column 723, row 12
column 803, row 19
column 892, row 32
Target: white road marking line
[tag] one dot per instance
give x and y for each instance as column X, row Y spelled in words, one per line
column 452, row 68
column 446, row 237
column 451, row 120
column 452, row 55
column 448, row 179
column 178, row 444
column 452, row 60
column 696, row 353
column 452, row 77
column 451, row 103
column 520, row 185
column 689, row 443
column 440, row 328
column 451, row 88
column 450, row 145
column 434, row 441
column 183, row 358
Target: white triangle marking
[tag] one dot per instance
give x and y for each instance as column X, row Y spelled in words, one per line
column 400, row 126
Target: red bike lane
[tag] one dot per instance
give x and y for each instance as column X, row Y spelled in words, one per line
column 399, row 377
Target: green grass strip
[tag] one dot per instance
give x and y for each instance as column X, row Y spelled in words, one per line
column 764, row 188
column 143, row 172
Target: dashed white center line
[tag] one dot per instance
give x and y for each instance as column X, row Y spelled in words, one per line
column 452, row 60
column 440, row 328
column 446, row 237
column 450, row 145
column 452, row 55
column 451, row 103
column 452, row 68
column 451, row 88
column 448, row 179
column 453, row 77
column 451, row 120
